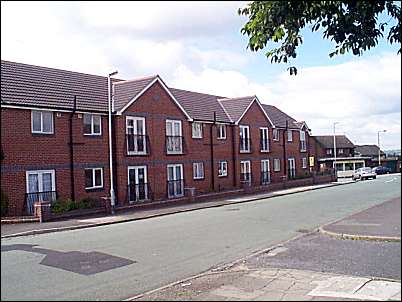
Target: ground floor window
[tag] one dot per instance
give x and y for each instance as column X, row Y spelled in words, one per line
column 245, row 171
column 175, row 180
column 277, row 164
column 223, row 168
column 93, row 178
column 304, row 162
column 265, row 172
column 198, row 170
column 40, row 186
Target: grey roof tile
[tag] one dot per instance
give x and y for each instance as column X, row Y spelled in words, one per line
column 235, row 107
column 279, row 117
column 327, row 141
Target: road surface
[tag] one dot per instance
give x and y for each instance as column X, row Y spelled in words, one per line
column 118, row 261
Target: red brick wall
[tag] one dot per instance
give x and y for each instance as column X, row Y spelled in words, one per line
column 26, row 151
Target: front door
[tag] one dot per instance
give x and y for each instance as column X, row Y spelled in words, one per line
column 292, row 167
column 175, row 180
column 137, row 184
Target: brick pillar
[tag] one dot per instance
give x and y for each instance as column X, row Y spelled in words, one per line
column 42, row 209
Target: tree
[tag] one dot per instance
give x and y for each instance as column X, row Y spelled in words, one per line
column 352, row 25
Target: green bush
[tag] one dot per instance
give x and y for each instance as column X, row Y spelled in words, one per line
column 87, row 203
column 65, row 205
column 4, row 203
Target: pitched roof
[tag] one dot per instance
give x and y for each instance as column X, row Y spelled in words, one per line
column 200, row 106
column 279, row 117
column 327, row 141
column 125, row 91
column 367, row 150
column 235, row 107
column 29, row 85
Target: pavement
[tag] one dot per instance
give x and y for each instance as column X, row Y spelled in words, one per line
column 121, row 260
column 25, row 229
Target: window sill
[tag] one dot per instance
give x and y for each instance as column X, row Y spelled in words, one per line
column 197, row 137
column 42, row 134
column 93, row 135
column 245, row 151
column 223, row 175
column 265, row 151
column 221, row 138
column 94, row 189
column 197, row 179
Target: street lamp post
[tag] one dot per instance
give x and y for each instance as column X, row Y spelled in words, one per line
column 379, row 148
column 112, row 194
column 335, row 147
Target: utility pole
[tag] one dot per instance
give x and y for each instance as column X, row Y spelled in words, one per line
column 379, row 148
column 335, row 148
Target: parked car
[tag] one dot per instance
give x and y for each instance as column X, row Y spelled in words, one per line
column 363, row 173
column 381, row 170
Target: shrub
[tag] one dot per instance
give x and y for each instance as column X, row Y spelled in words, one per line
column 87, row 203
column 4, row 203
column 65, row 205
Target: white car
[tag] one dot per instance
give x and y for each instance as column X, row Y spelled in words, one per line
column 364, row 173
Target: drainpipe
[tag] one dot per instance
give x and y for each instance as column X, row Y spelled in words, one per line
column 112, row 194
column 72, row 149
column 285, row 132
column 212, row 153
column 234, row 155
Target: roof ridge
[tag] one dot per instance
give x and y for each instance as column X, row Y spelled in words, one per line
column 237, row 98
column 138, row 79
column 217, row 96
column 53, row 68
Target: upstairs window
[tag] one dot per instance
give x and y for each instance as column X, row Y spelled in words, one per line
column 340, row 151
column 197, row 130
column 92, row 124
column 264, row 139
column 42, row 122
column 290, row 136
column 221, row 131
column 329, row 151
column 303, row 146
column 275, row 134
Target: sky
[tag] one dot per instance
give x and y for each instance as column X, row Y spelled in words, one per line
column 198, row 46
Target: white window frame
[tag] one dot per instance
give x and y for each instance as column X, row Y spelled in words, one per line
column 275, row 134
column 93, row 178
column 277, row 165
column 290, row 135
column 243, row 130
column 93, row 124
column 180, row 134
column 196, row 130
column 135, row 119
column 268, row 170
column 137, row 181
column 174, row 176
column 244, row 164
column 198, row 170
column 340, row 150
column 303, row 144
column 304, row 162
column 221, row 131
column 329, row 152
column 223, row 168
column 41, row 122
column 40, row 185
column 264, row 137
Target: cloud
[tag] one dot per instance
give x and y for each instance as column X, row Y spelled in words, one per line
column 363, row 95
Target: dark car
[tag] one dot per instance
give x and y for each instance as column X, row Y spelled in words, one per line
column 381, row 170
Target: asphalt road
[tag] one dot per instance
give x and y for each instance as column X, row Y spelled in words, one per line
column 321, row 253
column 122, row 260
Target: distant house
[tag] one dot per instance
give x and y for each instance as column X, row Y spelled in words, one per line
column 370, row 151
column 346, row 159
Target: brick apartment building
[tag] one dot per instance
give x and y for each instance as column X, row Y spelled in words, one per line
column 166, row 141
